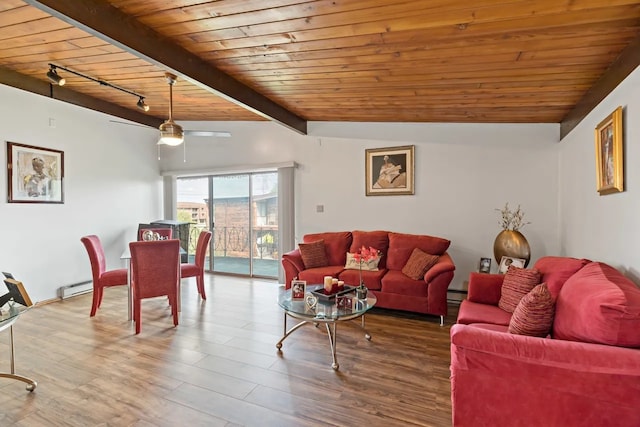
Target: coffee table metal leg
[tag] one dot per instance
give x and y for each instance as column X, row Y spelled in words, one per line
column 331, row 331
column 284, row 331
column 367, row 335
column 289, row 332
column 31, row 384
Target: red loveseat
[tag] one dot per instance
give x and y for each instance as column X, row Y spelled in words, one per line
column 393, row 289
column 585, row 373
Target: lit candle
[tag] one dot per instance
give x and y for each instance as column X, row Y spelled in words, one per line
column 334, row 286
column 328, row 281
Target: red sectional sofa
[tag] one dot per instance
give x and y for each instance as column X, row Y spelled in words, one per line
column 585, row 373
column 393, row 289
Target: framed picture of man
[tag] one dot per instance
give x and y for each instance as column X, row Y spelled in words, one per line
column 609, row 154
column 34, row 174
column 389, row 171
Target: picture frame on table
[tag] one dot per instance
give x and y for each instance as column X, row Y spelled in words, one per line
column 485, row 265
column 34, row 174
column 609, row 154
column 17, row 293
column 507, row 261
column 298, row 290
column 390, row 171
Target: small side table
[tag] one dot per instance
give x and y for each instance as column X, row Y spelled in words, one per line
column 7, row 319
column 457, row 295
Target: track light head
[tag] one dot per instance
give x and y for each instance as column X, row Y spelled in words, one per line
column 54, row 78
column 142, row 105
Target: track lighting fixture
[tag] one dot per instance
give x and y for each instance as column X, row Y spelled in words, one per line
column 54, row 78
column 142, row 105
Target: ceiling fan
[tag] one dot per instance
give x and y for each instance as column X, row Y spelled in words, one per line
column 187, row 132
column 172, row 133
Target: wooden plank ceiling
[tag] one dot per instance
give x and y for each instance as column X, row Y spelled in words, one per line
column 293, row 61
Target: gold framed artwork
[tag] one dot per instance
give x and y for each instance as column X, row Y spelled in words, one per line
column 609, row 154
column 389, row 171
column 35, row 174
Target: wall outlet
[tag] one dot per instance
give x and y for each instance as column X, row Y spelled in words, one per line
column 319, row 208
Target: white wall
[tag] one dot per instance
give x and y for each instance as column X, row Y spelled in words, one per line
column 603, row 228
column 463, row 173
column 111, row 184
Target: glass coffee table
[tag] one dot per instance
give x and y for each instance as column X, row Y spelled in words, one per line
column 330, row 312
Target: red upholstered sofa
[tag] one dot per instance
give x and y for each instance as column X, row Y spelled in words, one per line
column 393, row 289
column 585, row 373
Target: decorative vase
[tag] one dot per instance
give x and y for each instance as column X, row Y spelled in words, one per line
column 512, row 244
column 361, row 292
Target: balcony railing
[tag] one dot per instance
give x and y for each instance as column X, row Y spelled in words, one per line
column 237, row 242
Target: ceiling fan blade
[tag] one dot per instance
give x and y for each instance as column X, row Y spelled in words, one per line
column 203, row 133
column 219, row 134
column 129, row 123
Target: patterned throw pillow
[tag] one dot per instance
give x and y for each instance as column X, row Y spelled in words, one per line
column 533, row 315
column 313, row 254
column 517, row 283
column 418, row 264
column 353, row 264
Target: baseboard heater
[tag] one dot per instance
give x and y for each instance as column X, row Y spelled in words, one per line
column 76, row 289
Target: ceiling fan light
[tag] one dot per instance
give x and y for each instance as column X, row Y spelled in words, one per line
column 171, row 133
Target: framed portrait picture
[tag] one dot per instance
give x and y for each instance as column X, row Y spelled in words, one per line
column 507, row 261
column 298, row 289
column 485, row 265
column 609, row 154
column 34, row 174
column 389, row 171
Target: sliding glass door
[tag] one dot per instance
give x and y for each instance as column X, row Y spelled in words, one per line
column 264, row 224
column 231, row 237
column 242, row 212
column 193, row 208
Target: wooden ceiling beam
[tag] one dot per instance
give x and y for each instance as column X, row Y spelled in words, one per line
column 108, row 23
column 628, row 60
column 61, row 93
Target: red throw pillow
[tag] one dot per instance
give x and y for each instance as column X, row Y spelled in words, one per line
column 555, row 270
column 517, row 283
column 313, row 254
column 533, row 315
column 418, row 264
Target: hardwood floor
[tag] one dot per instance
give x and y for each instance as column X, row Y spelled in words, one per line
column 220, row 366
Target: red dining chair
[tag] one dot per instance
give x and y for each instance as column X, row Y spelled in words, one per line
column 102, row 277
column 155, row 272
column 196, row 269
column 164, row 233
